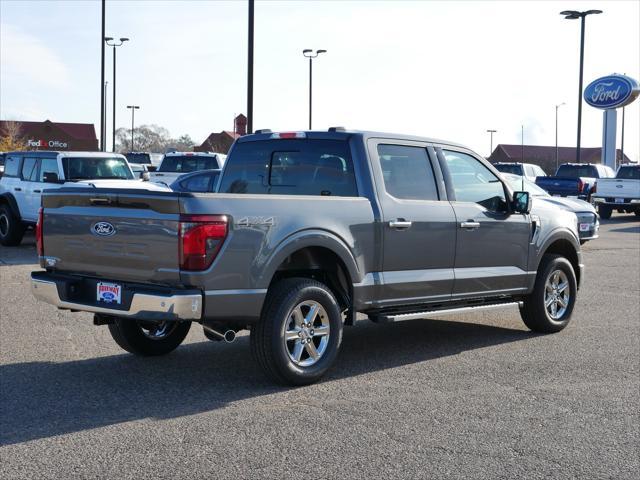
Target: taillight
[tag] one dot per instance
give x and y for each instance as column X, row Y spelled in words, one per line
column 201, row 237
column 39, row 239
column 595, row 187
column 580, row 185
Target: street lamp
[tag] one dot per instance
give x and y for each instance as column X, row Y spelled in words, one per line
column 309, row 53
column 557, row 106
column 114, row 44
column 574, row 15
column 491, row 132
column 133, row 110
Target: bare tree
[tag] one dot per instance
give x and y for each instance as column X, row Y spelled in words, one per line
column 11, row 137
column 151, row 138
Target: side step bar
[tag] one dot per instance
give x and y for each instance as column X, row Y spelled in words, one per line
column 400, row 317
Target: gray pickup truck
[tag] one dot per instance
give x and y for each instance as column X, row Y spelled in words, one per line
column 306, row 230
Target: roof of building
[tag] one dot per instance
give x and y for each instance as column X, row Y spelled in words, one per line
column 515, row 153
column 80, row 131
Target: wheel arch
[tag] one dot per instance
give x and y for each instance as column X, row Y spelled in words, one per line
column 8, row 199
column 565, row 244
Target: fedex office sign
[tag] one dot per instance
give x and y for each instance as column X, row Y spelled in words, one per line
column 47, row 144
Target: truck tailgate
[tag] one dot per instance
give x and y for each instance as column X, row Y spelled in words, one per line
column 113, row 234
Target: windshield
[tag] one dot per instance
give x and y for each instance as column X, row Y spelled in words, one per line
column 520, row 183
column 138, row 157
column 79, row 168
column 575, row 171
column 629, row 173
column 515, row 169
column 188, row 163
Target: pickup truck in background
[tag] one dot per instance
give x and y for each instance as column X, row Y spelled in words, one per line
column 28, row 174
column 575, row 180
column 305, row 230
column 176, row 164
column 621, row 193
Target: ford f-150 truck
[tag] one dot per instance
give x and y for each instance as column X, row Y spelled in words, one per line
column 306, row 230
column 575, row 180
column 621, row 193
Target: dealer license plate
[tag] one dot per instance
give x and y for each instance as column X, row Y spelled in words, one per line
column 109, row 293
column 584, row 227
column 619, row 200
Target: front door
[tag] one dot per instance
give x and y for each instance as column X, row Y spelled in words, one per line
column 492, row 244
column 419, row 226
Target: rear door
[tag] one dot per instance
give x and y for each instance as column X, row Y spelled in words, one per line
column 419, row 223
column 117, row 235
column 492, row 244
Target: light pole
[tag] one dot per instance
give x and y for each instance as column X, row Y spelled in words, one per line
column 250, row 70
column 574, row 15
column 557, row 106
column 491, row 132
column 114, row 44
column 102, row 142
column 104, row 118
column 133, row 110
column 309, row 53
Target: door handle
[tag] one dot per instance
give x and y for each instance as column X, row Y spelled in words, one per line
column 470, row 225
column 100, row 201
column 17, row 189
column 400, row 224
column 37, row 191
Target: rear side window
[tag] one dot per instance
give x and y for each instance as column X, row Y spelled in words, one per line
column 138, row 158
column 30, row 169
column 11, row 166
column 514, row 169
column 407, row 172
column 575, row 171
column 291, row 167
column 197, row 183
column 188, row 163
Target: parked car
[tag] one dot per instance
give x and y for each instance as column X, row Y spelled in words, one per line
column 527, row 170
column 575, row 179
column 587, row 217
column 621, row 193
column 28, row 174
column 305, row 230
column 202, row 181
column 2, row 156
column 175, row 164
column 141, row 158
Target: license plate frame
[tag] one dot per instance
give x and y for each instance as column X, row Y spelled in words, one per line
column 619, row 200
column 108, row 292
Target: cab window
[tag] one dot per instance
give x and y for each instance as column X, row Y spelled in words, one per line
column 473, row 182
column 407, row 172
column 30, row 169
column 12, row 166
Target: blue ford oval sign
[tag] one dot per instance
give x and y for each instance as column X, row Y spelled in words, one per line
column 104, row 229
column 612, row 91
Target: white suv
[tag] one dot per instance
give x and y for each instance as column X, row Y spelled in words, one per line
column 27, row 174
column 176, row 164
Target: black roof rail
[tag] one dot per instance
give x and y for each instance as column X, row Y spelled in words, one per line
column 337, row 129
column 263, row 130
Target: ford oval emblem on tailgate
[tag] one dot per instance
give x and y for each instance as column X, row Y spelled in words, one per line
column 104, row 229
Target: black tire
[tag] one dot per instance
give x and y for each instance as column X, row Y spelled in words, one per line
column 637, row 213
column 268, row 345
column 131, row 336
column 534, row 313
column 11, row 228
column 605, row 211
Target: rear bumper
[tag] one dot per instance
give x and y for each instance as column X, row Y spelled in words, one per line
column 146, row 304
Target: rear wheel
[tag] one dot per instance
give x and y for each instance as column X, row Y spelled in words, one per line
column 11, row 228
column 605, row 211
column 147, row 338
column 548, row 308
column 299, row 334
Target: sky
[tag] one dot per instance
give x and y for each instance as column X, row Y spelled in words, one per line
column 449, row 70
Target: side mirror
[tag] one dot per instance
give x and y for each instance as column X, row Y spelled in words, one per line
column 145, row 176
column 521, row 202
column 50, row 177
column 151, row 168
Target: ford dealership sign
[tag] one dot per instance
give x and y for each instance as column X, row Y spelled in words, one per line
column 612, row 91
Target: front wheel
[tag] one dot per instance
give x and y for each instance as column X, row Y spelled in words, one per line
column 548, row 308
column 605, row 211
column 11, row 228
column 148, row 338
column 299, row 333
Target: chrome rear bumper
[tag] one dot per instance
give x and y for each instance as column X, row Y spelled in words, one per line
column 187, row 306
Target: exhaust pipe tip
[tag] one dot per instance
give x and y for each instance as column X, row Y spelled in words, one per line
column 213, row 334
column 229, row 336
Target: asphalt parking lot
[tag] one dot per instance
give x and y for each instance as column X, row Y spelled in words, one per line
column 474, row 396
